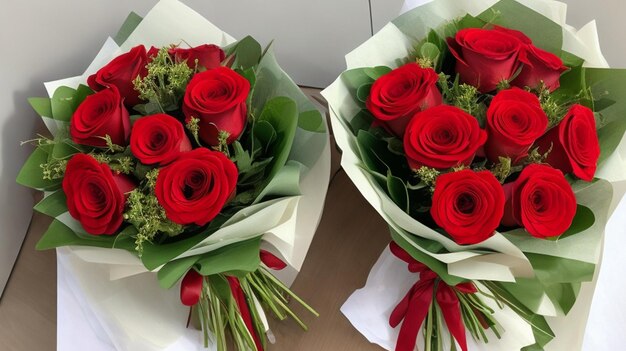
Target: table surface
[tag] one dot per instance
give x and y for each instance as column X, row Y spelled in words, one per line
column 349, row 239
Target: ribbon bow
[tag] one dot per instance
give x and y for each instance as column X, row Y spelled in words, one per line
column 414, row 307
column 191, row 291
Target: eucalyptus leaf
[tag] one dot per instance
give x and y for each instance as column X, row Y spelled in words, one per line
column 583, row 220
column 311, row 121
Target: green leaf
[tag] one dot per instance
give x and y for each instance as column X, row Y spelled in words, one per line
column 59, row 234
column 430, row 51
column 81, row 94
column 285, row 183
column 282, row 114
column 571, row 60
column 131, row 22
column 242, row 256
column 469, row 21
column 52, row 205
column 583, row 220
column 377, row 157
column 398, row 192
column 376, row 72
column 42, row 106
column 311, row 121
column 363, row 92
column 63, row 150
column 62, row 104
column 264, row 131
column 544, row 33
column 362, row 121
column 609, row 84
column 173, row 271
column 247, row 53
column 31, row 174
column 355, row 78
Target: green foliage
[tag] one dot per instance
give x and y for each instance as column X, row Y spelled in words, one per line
column 59, row 234
column 164, row 86
column 245, row 53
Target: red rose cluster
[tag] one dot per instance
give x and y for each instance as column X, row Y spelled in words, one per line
column 193, row 184
column 469, row 204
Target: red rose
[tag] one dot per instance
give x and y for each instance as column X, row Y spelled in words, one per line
column 121, row 72
column 218, row 98
column 485, row 57
column 101, row 114
column 468, row 205
column 442, row 137
column 396, row 96
column 195, row 187
column 542, row 201
column 208, row 56
column 575, row 146
column 95, row 195
column 158, row 139
column 539, row 66
column 514, row 121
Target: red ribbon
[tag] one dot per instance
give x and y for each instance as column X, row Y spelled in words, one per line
column 271, row 261
column 414, row 307
column 191, row 288
column 235, row 288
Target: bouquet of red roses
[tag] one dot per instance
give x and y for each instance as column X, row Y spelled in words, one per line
column 185, row 156
column 481, row 137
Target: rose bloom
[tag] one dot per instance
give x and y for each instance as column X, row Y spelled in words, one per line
column 158, row 139
column 101, row 114
column 442, row 137
column 539, row 65
column 208, row 55
column 575, row 145
column 396, row 96
column 514, row 121
column 195, row 187
column 540, row 200
column 218, row 98
column 95, row 194
column 121, row 72
column 485, row 57
column 468, row 205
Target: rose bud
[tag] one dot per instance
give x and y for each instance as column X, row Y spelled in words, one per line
column 485, row 57
column 218, row 98
column 468, row 205
column 442, row 137
column 542, row 201
column 208, row 56
column 575, row 145
column 95, row 194
column 514, row 121
column 101, row 114
column 195, row 187
column 396, row 96
column 121, row 72
column 158, row 139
